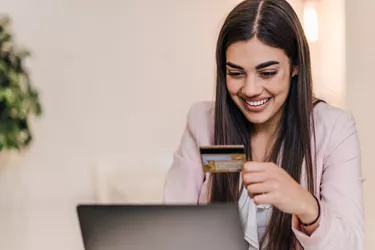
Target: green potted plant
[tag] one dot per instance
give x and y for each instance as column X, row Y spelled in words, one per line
column 19, row 100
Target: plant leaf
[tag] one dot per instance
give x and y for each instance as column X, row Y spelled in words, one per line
column 18, row 98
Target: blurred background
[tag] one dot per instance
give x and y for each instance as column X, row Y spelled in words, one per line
column 116, row 79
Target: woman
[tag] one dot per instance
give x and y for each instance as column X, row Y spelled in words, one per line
column 303, row 155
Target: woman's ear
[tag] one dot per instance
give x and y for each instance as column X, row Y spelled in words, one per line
column 295, row 70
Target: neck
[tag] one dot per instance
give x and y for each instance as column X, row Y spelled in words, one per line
column 264, row 129
column 270, row 127
column 264, row 136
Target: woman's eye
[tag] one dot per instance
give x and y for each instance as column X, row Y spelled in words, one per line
column 267, row 74
column 235, row 74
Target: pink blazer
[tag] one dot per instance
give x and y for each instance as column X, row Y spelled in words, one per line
column 338, row 172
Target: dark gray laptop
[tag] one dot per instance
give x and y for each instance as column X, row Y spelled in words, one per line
column 161, row 227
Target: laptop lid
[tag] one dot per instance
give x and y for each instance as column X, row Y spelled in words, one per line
column 161, row 227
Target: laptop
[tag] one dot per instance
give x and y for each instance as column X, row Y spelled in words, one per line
column 161, row 227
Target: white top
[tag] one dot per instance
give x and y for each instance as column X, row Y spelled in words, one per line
column 250, row 212
column 263, row 216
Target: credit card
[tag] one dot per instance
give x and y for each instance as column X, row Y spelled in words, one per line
column 222, row 158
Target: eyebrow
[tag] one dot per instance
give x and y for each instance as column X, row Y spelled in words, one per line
column 259, row 66
column 266, row 64
column 232, row 65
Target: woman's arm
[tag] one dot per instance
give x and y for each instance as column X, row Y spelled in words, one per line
column 185, row 177
column 341, row 224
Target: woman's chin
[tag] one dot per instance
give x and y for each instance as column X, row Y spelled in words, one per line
column 266, row 118
column 258, row 118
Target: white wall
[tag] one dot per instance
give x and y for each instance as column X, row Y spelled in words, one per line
column 330, row 58
column 117, row 78
column 360, row 50
column 328, row 52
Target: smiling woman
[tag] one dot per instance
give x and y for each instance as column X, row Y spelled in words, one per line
column 303, row 155
column 258, row 79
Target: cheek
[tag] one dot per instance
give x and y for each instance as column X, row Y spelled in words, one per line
column 233, row 86
column 278, row 87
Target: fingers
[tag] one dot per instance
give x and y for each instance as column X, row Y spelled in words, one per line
column 254, row 177
column 252, row 166
column 264, row 198
column 262, row 181
column 257, row 188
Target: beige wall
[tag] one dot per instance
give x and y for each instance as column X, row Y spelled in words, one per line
column 117, row 78
column 360, row 51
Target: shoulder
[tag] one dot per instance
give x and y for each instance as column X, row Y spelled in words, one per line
column 200, row 122
column 332, row 126
column 327, row 117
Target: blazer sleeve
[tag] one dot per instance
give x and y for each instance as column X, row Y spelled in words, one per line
column 185, row 177
column 341, row 193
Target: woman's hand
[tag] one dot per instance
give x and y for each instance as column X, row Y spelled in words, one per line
column 267, row 183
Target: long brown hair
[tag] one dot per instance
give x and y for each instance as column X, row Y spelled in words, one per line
column 275, row 23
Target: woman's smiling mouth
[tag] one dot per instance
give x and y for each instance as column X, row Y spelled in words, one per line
column 258, row 105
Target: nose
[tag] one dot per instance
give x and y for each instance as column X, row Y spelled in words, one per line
column 252, row 87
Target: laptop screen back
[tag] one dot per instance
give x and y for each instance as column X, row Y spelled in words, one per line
column 161, row 227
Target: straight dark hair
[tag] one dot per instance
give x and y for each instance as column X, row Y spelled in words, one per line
column 274, row 23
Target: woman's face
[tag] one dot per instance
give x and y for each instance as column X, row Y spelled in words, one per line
column 258, row 79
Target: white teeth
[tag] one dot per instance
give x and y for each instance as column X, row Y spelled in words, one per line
column 258, row 103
